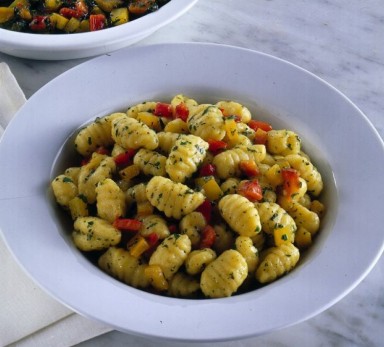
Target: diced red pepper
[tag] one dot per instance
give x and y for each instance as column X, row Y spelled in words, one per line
column 68, row 12
column 81, row 8
column 291, row 182
column 127, row 224
column 153, row 241
column 249, row 168
column 39, row 23
column 250, row 189
column 173, row 229
column 97, row 22
column 208, row 237
column 152, row 238
column 85, row 161
column 257, row 124
column 163, row 110
column 207, row 170
column 140, row 7
column 182, row 111
column 215, row 146
column 206, row 210
column 125, row 158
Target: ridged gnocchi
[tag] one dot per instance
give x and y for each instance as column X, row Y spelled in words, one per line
column 94, row 234
column 120, row 264
column 171, row 254
column 240, row 214
column 223, row 277
column 174, row 199
column 227, row 162
column 191, row 200
column 130, row 133
column 207, row 122
column 185, row 157
column 277, row 261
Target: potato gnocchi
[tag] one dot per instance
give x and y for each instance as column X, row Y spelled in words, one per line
column 191, row 200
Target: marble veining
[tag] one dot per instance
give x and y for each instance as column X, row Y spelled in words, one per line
column 341, row 42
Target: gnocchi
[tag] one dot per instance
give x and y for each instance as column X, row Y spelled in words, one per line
column 191, row 200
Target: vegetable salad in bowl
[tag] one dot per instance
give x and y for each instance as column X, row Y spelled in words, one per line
column 72, row 16
column 191, row 200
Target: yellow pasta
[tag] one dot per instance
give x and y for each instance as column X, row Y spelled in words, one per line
column 154, row 224
column 99, row 168
column 191, row 200
column 192, row 224
column 273, row 218
column 198, row 260
column 120, row 264
column 223, row 277
column 183, row 286
column 64, row 189
column 150, row 162
column 307, row 171
column 129, row 133
column 185, row 157
column 283, row 142
column 174, row 199
column 94, row 135
column 227, row 162
column 110, row 200
column 207, row 122
column 171, row 254
column 244, row 245
column 277, row 261
column 241, row 215
column 232, row 108
column 148, row 106
column 94, row 234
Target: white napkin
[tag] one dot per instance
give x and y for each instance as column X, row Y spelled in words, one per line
column 28, row 316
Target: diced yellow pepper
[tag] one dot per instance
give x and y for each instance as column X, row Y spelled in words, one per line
column 24, row 13
column 155, row 275
column 119, row 16
column 231, row 131
column 212, row 189
column 200, row 181
column 144, row 209
column 97, row 10
column 283, row 235
column 52, row 5
column 137, row 246
column 152, row 121
column 84, row 26
column 6, row 14
column 177, row 126
column 108, row 5
column 303, row 238
column 72, row 25
column 58, row 21
column 78, row 207
column 129, row 172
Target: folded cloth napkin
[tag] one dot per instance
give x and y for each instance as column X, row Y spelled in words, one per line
column 29, row 316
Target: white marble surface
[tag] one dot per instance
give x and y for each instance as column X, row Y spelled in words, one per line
column 340, row 41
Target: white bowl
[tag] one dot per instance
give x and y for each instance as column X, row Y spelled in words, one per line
column 348, row 246
column 82, row 45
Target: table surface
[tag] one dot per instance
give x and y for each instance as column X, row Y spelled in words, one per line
column 340, row 41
